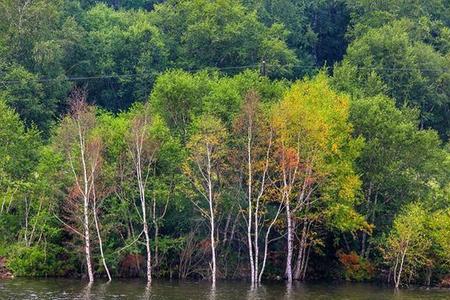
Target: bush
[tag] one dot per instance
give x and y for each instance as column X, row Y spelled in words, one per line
column 36, row 261
column 355, row 267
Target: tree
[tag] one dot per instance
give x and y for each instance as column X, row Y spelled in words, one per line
column 19, row 152
column 392, row 172
column 143, row 145
column 372, row 14
column 177, row 97
column 74, row 133
column 39, row 40
column 220, row 34
column 407, row 243
column 315, row 152
column 126, row 48
column 402, row 60
column 254, row 139
column 207, row 152
column 294, row 15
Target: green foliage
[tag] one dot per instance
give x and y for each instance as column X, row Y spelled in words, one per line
column 407, row 244
column 375, row 13
column 39, row 260
column 179, row 96
column 392, row 172
column 371, row 142
column 121, row 43
column 233, row 34
column 401, row 59
column 316, row 154
column 39, row 45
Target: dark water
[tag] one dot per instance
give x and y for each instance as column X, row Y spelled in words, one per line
column 172, row 290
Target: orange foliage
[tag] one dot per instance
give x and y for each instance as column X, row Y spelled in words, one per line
column 288, row 158
column 355, row 267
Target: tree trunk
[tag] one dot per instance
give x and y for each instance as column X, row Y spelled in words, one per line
column 149, row 254
column 144, row 213
column 156, row 245
column 85, row 192
column 266, row 243
column 305, row 265
column 397, row 281
column 87, row 245
column 211, row 219
column 97, row 227
column 301, row 252
column 250, row 207
column 155, row 224
column 146, row 233
column 290, row 241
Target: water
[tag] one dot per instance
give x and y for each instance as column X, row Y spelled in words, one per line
column 173, row 290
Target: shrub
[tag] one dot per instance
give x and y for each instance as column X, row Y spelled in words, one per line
column 356, row 268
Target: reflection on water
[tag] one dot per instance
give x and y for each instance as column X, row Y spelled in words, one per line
column 86, row 292
column 147, row 292
column 174, row 290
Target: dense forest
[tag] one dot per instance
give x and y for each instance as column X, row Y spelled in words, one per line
column 226, row 139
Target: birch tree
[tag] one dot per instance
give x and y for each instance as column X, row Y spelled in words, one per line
column 254, row 137
column 74, row 133
column 206, row 161
column 94, row 148
column 314, row 154
column 408, row 243
column 143, row 147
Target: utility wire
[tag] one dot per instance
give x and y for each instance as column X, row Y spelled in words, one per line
column 119, row 76
column 96, row 77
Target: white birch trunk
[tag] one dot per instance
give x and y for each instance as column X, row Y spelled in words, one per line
column 211, row 218
column 85, row 192
column 290, row 241
column 399, row 275
column 144, row 213
column 266, row 243
column 250, row 207
column 97, row 227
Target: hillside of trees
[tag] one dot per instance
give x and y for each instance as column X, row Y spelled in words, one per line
column 226, row 139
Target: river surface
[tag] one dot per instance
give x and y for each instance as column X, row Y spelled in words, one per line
column 173, row 290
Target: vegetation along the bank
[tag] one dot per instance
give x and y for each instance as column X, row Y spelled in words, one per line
column 215, row 139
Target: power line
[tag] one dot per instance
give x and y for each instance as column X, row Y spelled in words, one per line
column 265, row 66
column 118, row 76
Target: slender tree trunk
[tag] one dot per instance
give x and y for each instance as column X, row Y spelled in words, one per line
column 306, row 263
column 155, row 224
column 146, row 233
column 156, row 245
column 363, row 244
column 227, row 226
column 290, row 241
column 87, row 247
column 144, row 211
column 397, row 282
column 149, row 254
column 250, row 206
column 85, row 192
column 97, row 227
column 301, row 252
column 266, row 243
column 256, row 239
column 211, row 219
column 428, row 276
